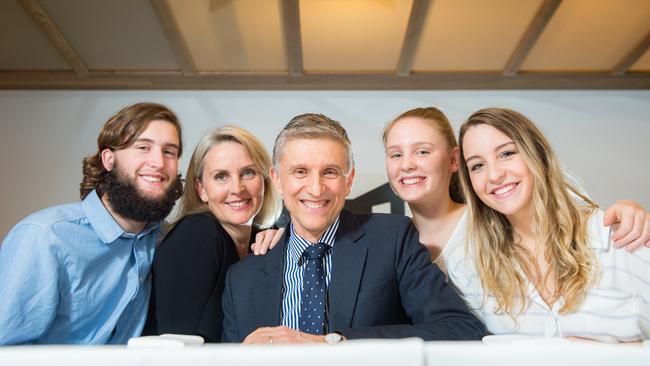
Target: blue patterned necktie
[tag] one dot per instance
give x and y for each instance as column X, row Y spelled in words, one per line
column 314, row 290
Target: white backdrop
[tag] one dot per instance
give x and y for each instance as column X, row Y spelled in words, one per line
column 602, row 137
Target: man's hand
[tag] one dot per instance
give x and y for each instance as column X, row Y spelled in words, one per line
column 281, row 334
column 630, row 223
column 265, row 240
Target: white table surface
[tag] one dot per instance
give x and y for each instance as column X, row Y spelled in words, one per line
column 409, row 352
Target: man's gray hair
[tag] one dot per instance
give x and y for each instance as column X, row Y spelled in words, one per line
column 313, row 126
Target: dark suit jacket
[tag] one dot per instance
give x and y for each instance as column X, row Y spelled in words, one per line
column 383, row 285
column 189, row 273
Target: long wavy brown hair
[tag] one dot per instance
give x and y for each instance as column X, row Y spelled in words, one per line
column 119, row 132
column 559, row 222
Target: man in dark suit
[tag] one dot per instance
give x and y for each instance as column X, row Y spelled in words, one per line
column 335, row 275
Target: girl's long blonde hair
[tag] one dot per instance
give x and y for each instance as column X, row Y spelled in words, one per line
column 558, row 222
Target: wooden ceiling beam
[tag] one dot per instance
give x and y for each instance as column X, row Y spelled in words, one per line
column 175, row 80
column 58, row 40
column 633, row 56
column 174, row 36
column 535, row 29
column 292, row 36
column 412, row 36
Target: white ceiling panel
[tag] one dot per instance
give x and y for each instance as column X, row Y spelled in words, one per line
column 23, row 45
column 113, row 35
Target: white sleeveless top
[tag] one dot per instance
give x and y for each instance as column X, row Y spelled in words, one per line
column 457, row 239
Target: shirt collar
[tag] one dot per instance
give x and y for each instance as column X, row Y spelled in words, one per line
column 103, row 223
column 298, row 244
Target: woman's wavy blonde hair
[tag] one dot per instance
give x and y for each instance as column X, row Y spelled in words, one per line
column 191, row 202
column 558, row 222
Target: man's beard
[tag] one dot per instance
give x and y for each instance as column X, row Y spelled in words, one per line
column 127, row 201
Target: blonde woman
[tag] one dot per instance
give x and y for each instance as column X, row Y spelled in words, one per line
column 539, row 260
column 227, row 198
column 422, row 169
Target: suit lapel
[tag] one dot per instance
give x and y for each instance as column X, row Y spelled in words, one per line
column 348, row 260
column 268, row 288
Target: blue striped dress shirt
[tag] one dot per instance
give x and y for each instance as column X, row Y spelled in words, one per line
column 293, row 272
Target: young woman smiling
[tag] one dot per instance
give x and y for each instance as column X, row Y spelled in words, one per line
column 539, row 260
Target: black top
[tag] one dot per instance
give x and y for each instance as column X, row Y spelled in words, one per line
column 188, row 274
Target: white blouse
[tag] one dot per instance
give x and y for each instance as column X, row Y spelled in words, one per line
column 616, row 309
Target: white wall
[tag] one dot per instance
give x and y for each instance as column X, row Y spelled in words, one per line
column 602, row 137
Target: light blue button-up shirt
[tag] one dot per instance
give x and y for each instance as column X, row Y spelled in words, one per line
column 71, row 274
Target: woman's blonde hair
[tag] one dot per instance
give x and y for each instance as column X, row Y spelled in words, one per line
column 440, row 123
column 558, row 222
column 192, row 203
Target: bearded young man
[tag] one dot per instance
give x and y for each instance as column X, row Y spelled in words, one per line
column 79, row 273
